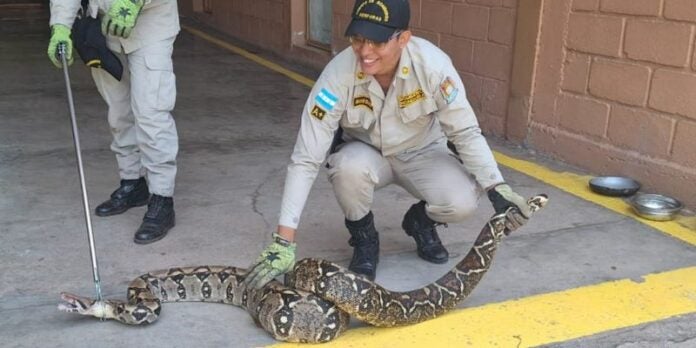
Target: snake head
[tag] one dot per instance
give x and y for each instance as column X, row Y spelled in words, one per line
column 512, row 219
column 537, row 202
column 81, row 305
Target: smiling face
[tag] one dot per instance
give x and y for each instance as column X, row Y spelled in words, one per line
column 380, row 59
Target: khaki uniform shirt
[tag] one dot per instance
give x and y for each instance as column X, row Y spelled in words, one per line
column 425, row 103
column 158, row 20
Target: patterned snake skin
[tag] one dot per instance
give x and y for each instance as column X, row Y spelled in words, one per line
column 317, row 301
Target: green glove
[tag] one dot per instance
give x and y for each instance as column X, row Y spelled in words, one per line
column 60, row 34
column 506, row 201
column 120, row 19
column 278, row 258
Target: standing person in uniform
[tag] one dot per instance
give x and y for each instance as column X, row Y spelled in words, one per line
column 141, row 33
column 398, row 100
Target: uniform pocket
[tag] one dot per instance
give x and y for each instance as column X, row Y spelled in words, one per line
column 417, row 110
column 357, row 118
column 162, row 81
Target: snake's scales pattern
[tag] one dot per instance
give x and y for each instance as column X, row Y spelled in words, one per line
column 315, row 304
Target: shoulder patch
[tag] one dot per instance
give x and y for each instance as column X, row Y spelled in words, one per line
column 326, row 99
column 449, row 90
column 318, row 112
column 363, row 101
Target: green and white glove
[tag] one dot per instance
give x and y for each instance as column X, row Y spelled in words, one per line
column 506, row 201
column 278, row 258
column 60, row 34
column 121, row 17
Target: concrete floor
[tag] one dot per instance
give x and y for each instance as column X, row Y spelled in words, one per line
column 237, row 124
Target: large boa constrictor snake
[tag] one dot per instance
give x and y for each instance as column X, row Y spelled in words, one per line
column 319, row 296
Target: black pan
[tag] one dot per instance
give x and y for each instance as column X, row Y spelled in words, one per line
column 617, row 186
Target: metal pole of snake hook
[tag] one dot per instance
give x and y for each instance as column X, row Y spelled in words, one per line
column 78, row 152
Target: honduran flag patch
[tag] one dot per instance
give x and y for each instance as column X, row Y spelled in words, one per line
column 326, row 99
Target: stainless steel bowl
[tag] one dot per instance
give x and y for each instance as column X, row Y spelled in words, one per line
column 656, row 207
column 619, row 186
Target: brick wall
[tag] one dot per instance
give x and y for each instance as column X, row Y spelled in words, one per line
column 479, row 36
column 623, row 100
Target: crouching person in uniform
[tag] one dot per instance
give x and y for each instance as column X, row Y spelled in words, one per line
column 141, row 34
column 398, row 100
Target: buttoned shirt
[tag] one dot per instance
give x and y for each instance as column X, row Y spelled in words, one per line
column 426, row 102
column 158, row 20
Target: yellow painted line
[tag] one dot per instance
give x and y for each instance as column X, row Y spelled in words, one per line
column 542, row 319
column 246, row 54
column 546, row 318
column 683, row 228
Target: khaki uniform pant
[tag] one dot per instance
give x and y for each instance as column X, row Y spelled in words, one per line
column 144, row 133
column 431, row 174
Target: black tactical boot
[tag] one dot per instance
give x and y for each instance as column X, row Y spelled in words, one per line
column 365, row 242
column 157, row 221
column 422, row 228
column 131, row 193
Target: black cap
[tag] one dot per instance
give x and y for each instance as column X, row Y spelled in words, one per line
column 377, row 20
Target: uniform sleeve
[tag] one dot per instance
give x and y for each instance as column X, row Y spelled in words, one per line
column 64, row 12
column 322, row 113
column 458, row 121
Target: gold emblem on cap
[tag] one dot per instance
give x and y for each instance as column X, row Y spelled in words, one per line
column 404, row 70
column 361, row 75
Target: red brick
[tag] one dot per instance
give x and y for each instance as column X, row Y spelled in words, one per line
column 472, row 21
column 659, row 42
column 461, row 51
column 428, row 35
column 623, row 82
column 491, row 124
column 640, row 130
column 595, row 34
column 544, row 109
column 491, row 3
column 674, row 91
column 573, row 149
column 583, row 115
column 415, row 13
column 576, row 71
column 680, row 9
column 684, row 144
column 632, row 7
column 492, row 60
column 343, row 7
column 585, row 5
column 472, row 86
column 510, row 3
column 495, row 97
column 436, row 16
column 502, row 26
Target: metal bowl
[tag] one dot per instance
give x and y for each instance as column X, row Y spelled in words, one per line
column 656, row 207
column 618, row 186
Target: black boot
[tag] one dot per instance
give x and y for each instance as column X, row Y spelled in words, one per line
column 365, row 242
column 418, row 225
column 157, row 221
column 131, row 193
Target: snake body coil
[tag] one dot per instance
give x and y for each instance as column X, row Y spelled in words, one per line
column 317, row 301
